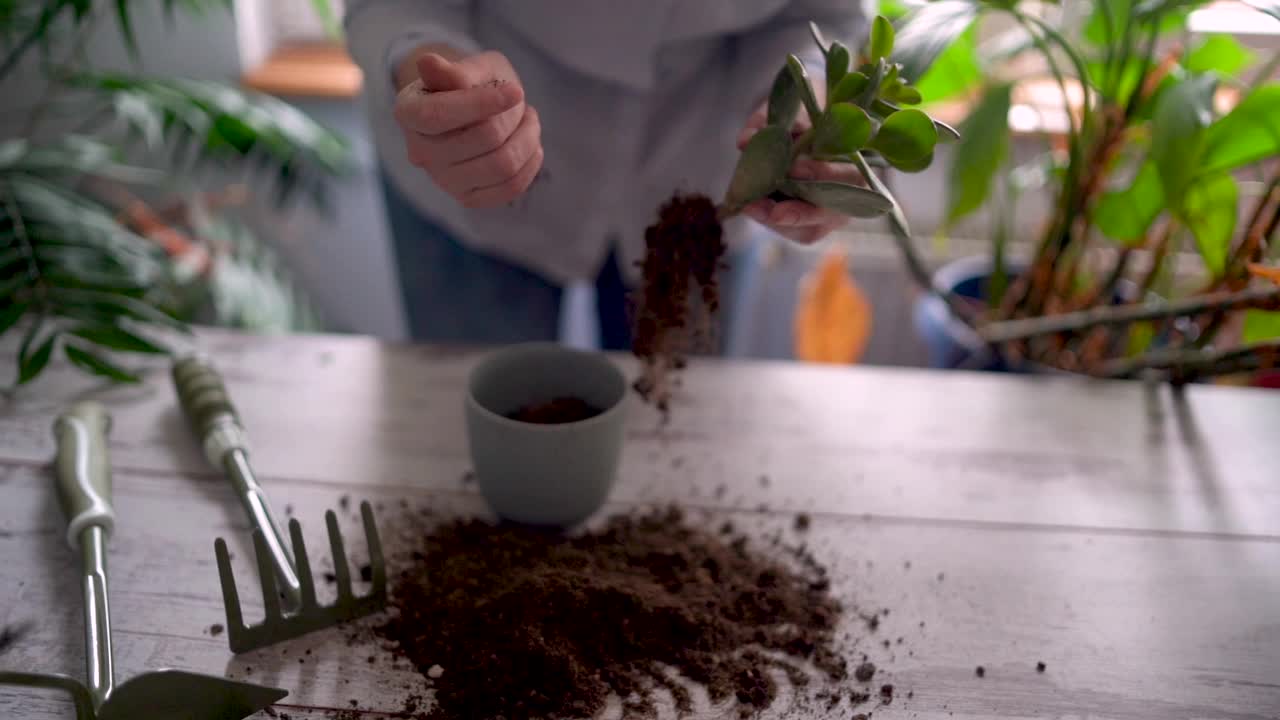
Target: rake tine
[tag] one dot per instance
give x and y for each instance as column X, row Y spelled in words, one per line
column 230, row 596
column 340, row 568
column 305, row 581
column 266, row 573
column 376, row 561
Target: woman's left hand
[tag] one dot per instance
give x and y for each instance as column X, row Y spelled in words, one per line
column 797, row 220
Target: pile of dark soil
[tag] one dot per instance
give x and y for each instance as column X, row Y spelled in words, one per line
column 679, row 297
column 556, row 411
column 515, row 622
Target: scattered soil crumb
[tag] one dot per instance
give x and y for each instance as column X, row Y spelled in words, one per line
column 802, row 522
column 1040, row 667
column 215, row 629
column 865, row 672
column 980, row 671
column 886, row 694
column 344, row 502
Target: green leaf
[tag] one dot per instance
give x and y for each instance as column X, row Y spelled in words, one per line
column 31, row 365
column 1141, row 335
column 97, row 365
column 906, row 136
column 837, row 65
column 928, row 32
column 762, row 166
column 1247, row 134
column 979, row 153
column 784, row 100
column 955, row 72
column 801, row 78
column 11, row 314
column 818, row 39
column 881, row 39
column 117, row 338
column 1270, row 7
column 126, row 28
column 843, row 129
column 117, row 305
column 1261, row 325
column 904, row 94
column 1125, row 215
column 919, row 164
column 1209, row 210
column 848, row 88
column 847, row 199
column 1220, row 53
column 1178, row 133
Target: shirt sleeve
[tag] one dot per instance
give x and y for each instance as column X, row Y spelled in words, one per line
column 380, row 33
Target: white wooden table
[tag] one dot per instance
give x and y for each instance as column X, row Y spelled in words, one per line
column 1126, row 536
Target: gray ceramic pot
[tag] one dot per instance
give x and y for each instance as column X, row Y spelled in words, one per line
column 556, row 475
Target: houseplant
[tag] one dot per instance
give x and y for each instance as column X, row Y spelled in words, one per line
column 115, row 226
column 1160, row 135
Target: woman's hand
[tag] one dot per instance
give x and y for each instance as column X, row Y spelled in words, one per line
column 466, row 123
column 797, row 220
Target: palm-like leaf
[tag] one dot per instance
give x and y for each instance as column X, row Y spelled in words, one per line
column 226, row 125
column 67, row 265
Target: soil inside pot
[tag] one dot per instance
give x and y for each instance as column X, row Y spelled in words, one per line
column 556, row 411
column 679, row 297
column 515, row 622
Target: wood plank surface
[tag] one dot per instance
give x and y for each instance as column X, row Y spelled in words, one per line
column 1127, row 538
column 885, row 442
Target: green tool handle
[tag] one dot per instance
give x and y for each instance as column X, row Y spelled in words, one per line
column 201, row 392
column 83, row 477
column 208, row 408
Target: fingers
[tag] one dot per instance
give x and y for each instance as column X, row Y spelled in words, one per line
column 507, row 190
column 466, row 143
column 810, row 169
column 753, row 124
column 796, row 220
column 501, row 164
column 437, row 113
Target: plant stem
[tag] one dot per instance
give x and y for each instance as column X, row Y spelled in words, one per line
column 1256, row 298
column 902, row 236
column 1184, row 364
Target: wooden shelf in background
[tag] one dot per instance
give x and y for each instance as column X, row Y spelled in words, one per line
column 314, row 70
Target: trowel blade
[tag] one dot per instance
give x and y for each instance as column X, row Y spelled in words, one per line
column 180, row 695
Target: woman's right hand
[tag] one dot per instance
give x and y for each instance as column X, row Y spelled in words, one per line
column 466, row 123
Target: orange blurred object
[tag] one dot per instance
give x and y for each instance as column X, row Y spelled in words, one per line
column 833, row 315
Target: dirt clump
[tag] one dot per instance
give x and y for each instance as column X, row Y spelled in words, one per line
column 679, row 295
column 529, row 623
column 556, row 411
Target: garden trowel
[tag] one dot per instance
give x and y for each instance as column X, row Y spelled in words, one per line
column 84, row 492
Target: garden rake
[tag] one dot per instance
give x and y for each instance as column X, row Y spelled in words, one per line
column 84, row 491
column 288, row 586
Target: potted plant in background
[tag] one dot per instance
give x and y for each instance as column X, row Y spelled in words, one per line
column 1160, row 132
column 122, row 220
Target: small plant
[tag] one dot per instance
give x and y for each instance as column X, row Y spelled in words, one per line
column 1164, row 131
column 862, row 123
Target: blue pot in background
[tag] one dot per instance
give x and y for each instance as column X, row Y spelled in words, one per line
column 952, row 344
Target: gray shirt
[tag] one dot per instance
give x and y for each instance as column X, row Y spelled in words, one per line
column 637, row 99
